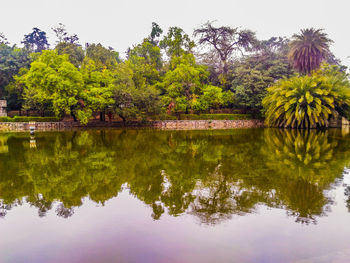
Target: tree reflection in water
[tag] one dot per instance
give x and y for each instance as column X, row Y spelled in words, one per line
column 211, row 175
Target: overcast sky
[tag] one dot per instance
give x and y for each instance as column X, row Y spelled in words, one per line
column 120, row 24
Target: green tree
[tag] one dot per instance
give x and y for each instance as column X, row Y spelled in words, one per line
column 223, row 42
column 98, row 87
column 53, row 83
column 176, row 42
column 12, row 60
column 3, row 39
column 131, row 101
column 145, row 60
column 308, row 101
column 74, row 51
column 103, row 57
column 63, row 36
column 212, row 97
column 253, row 74
column 182, row 83
column 308, row 49
column 36, row 41
column 155, row 34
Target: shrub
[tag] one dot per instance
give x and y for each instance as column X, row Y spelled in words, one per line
column 28, row 119
column 308, row 101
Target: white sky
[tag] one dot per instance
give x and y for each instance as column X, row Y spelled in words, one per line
column 120, row 24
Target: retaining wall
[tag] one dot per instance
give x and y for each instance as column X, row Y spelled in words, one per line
column 165, row 125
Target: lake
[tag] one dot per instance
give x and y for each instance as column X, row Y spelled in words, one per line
column 245, row 195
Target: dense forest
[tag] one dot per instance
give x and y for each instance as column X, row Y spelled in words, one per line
column 293, row 82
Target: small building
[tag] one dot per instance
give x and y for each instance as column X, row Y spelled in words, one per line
column 3, row 106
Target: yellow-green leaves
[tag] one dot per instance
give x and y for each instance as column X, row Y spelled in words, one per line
column 307, row 101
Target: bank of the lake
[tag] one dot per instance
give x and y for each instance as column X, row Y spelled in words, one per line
column 165, row 125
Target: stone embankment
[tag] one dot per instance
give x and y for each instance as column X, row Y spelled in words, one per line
column 206, row 124
column 164, row 125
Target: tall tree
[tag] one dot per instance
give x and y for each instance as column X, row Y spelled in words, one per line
column 36, row 41
column 54, row 83
column 63, row 36
column 68, row 44
column 74, row 51
column 182, row 83
column 3, row 39
column 176, row 42
column 155, row 34
column 12, row 59
column 225, row 41
column 308, row 49
column 103, row 57
column 252, row 74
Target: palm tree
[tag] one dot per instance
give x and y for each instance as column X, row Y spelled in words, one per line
column 308, row 49
column 307, row 101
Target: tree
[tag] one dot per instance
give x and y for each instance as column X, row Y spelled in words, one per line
column 131, row 101
column 103, row 57
column 308, row 49
column 3, row 39
column 74, row 51
column 36, row 41
column 182, row 83
column 146, row 62
column 62, row 35
column 98, row 87
column 225, row 41
column 212, row 97
column 253, row 74
column 68, row 44
column 12, row 60
column 155, row 34
column 308, row 101
column 176, row 42
column 54, row 83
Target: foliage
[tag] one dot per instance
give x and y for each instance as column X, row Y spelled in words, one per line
column 3, row 39
column 62, row 35
column 52, row 82
column 28, row 119
column 176, row 42
column 252, row 74
column 74, row 51
column 308, row 101
column 146, row 61
column 309, row 49
column 12, row 59
column 212, row 97
column 155, row 34
column 131, row 101
column 225, row 41
column 36, row 41
column 98, row 87
column 103, row 57
column 182, row 83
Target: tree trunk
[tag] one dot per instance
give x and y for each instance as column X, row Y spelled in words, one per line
column 74, row 117
column 102, row 116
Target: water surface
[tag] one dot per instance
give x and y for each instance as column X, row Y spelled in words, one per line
column 249, row 195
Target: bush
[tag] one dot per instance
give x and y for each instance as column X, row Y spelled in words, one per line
column 308, row 101
column 28, row 119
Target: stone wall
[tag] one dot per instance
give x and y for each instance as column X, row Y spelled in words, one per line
column 165, row 125
column 206, row 124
